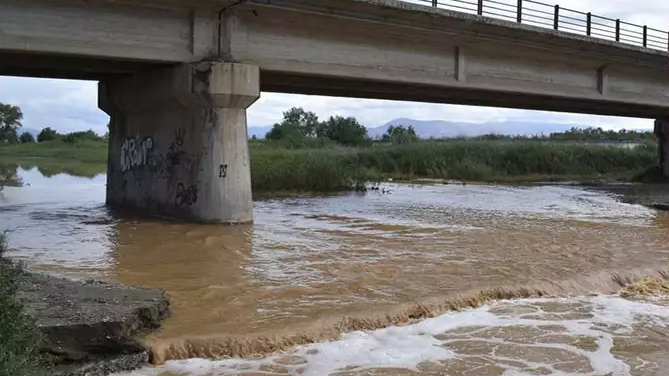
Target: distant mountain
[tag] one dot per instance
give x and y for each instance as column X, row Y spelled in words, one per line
column 443, row 128
column 259, row 132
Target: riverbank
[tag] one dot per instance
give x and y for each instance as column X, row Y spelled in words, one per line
column 64, row 327
column 335, row 169
column 654, row 196
column 89, row 327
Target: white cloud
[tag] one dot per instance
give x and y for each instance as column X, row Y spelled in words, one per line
column 373, row 113
column 66, row 105
column 72, row 105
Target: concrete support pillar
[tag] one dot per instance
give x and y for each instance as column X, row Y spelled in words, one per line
column 662, row 134
column 178, row 141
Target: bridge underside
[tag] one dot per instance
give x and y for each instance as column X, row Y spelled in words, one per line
column 350, row 48
column 176, row 77
column 101, row 69
column 70, row 66
column 280, row 82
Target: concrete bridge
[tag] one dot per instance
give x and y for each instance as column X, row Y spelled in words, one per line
column 176, row 77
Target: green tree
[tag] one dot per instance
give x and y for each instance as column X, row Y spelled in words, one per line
column 9, row 178
column 88, row 135
column 284, row 131
column 305, row 121
column 287, row 135
column 344, row 131
column 598, row 134
column 296, row 126
column 399, row 134
column 26, row 137
column 10, row 120
column 47, row 134
column 10, row 136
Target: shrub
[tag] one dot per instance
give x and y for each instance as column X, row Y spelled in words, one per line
column 47, row 134
column 19, row 336
column 88, row 135
column 26, row 137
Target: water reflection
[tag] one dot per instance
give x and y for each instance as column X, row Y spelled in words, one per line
column 9, row 176
column 59, row 222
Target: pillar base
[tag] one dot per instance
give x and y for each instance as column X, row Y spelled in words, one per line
column 178, row 144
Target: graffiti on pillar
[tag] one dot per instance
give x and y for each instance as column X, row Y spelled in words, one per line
column 135, row 152
column 174, row 152
column 173, row 160
column 185, row 195
column 162, row 171
column 222, row 171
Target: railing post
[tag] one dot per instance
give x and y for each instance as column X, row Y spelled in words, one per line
column 435, row 3
column 519, row 11
column 556, row 17
column 588, row 27
column 618, row 30
column 480, row 8
column 645, row 35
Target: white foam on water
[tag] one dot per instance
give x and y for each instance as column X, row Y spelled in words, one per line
column 412, row 345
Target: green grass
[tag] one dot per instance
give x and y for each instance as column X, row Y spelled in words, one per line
column 82, row 158
column 483, row 161
column 306, row 170
column 20, row 338
column 651, row 175
column 497, row 161
column 85, row 151
column 331, row 168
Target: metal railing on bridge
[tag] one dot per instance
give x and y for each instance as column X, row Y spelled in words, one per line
column 540, row 14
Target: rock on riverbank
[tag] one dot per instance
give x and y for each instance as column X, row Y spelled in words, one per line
column 90, row 327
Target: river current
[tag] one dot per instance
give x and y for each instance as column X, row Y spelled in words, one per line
column 365, row 284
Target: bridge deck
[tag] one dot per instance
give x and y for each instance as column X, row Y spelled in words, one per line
column 362, row 48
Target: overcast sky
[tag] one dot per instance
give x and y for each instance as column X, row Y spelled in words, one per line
column 72, row 105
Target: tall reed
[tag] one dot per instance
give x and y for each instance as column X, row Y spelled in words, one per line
column 334, row 169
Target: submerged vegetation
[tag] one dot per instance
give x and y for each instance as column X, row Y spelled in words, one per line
column 20, row 338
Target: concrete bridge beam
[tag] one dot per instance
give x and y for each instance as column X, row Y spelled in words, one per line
column 178, row 141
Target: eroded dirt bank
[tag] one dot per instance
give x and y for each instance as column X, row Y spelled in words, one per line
column 92, row 328
column 655, row 196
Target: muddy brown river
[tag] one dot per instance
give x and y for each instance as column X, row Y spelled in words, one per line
column 364, row 284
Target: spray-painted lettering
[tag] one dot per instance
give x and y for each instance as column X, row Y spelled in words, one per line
column 185, row 195
column 135, row 153
column 222, row 171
